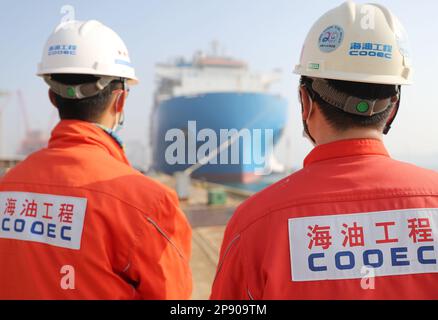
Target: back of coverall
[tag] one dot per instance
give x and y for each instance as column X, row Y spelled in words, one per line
column 78, row 206
column 352, row 224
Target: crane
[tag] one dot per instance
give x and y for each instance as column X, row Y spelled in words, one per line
column 34, row 139
column 3, row 103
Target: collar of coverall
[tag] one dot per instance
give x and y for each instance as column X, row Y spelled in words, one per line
column 76, row 133
column 346, row 148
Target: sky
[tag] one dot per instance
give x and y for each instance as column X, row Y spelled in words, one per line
column 268, row 34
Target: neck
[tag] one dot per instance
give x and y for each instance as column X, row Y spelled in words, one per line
column 361, row 133
column 107, row 121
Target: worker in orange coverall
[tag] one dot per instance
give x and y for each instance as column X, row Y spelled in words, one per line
column 353, row 223
column 76, row 220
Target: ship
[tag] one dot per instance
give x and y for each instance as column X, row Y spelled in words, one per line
column 198, row 101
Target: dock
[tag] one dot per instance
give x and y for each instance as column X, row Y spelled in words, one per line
column 208, row 223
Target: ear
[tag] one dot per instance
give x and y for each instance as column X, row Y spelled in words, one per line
column 120, row 100
column 394, row 100
column 52, row 98
column 306, row 103
column 393, row 111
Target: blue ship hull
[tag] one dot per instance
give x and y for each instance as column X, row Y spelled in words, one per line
column 217, row 111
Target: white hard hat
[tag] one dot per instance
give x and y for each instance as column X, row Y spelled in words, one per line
column 357, row 42
column 89, row 47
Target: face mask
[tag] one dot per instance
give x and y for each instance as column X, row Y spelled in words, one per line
column 307, row 135
column 113, row 132
column 119, row 123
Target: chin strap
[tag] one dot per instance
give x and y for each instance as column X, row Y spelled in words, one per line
column 397, row 107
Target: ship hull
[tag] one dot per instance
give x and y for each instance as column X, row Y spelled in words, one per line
column 261, row 115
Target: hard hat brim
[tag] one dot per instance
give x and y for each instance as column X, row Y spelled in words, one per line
column 354, row 77
column 132, row 80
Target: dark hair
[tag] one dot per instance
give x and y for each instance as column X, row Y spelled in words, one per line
column 87, row 109
column 341, row 120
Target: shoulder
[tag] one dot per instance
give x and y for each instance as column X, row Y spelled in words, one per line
column 263, row 202
column 387, row 174
column 412, row 168
column 138, row 190
column 407, row 175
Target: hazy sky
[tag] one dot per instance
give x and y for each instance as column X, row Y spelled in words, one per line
column 267, row 34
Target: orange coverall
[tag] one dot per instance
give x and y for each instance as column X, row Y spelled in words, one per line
column 78, row 204
column 352, row 224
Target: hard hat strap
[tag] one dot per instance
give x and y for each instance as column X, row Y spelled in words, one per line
column 79, row 91
column 347, row 103
column 391, row 120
